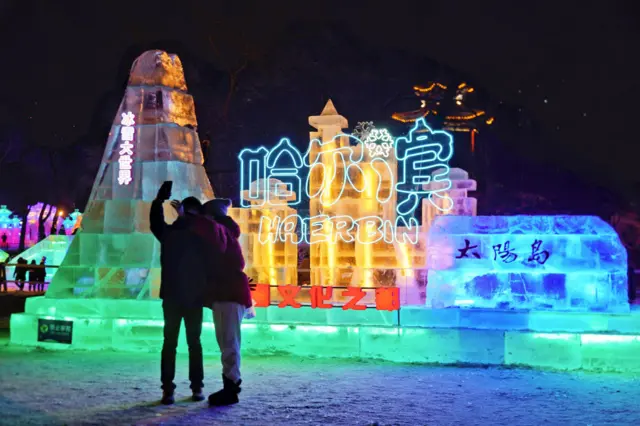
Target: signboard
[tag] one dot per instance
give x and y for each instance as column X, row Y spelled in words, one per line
column 386, row 298
column 127, row 131
column 58, row 331
column 346, row 164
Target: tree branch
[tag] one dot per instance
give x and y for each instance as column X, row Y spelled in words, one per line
column 6, row 151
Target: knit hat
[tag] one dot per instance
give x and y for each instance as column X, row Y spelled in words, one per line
column 191, row 205
column 217, row 207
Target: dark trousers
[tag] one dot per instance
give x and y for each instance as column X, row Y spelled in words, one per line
column 173, row 316
column 3, row 285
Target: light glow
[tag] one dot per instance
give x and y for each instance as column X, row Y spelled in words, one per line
column 337, row 167
column 127, row 131
column 379, row 143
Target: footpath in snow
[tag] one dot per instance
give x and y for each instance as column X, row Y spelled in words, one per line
column 99, row 388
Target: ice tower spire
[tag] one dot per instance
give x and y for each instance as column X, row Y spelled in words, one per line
column 153, row 139
column 329, row 117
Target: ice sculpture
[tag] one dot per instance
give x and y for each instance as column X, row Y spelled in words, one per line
column 72, row 222
column 3, row 255
column 33, row 220
column 153, row 139
column 463, row 205
column 10, row 228
column 540, row 262
column 54, row 248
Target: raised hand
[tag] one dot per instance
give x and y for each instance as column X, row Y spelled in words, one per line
column 164, row 193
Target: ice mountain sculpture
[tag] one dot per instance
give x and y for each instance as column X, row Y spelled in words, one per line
column 539, row 262
column 153, row 138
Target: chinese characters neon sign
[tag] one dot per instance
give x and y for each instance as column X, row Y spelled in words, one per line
column 505, row 253
column 386, row 298
column 127, row 131
column 338, row 169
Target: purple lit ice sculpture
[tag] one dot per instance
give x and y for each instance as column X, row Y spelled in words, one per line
column 70, row 222
column 9, row 226
column 33, row 218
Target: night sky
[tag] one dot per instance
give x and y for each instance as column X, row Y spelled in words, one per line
column 572, row 65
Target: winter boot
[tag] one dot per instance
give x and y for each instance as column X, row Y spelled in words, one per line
column 228, row 395
column 167, row 398
column 197, row 395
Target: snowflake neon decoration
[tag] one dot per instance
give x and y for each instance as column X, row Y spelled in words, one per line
column 379, row 143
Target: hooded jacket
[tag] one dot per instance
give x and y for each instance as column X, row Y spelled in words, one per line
column 227, row 281
column 182, row 257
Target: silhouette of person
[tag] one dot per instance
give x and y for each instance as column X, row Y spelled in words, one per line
column 42, row 275
column 4, row 240
column 3, row 277
column 20, row 273
column 33, row 276
column 182, row 285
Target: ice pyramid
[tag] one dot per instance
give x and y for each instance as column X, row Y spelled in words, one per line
column 153, row 138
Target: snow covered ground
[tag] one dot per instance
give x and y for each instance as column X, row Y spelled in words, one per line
column 109, row 388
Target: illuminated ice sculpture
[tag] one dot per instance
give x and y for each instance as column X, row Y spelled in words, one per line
column 153, row 139
column 543, row 262
column 357, row 232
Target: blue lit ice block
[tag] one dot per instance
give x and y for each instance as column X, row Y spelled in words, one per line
column 529, row 262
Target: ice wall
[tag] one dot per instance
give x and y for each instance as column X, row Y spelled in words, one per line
column 539, row 262
column 153, row 139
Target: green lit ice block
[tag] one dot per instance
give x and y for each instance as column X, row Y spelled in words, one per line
column 54, row 248
column 565, row 351
column 129, row 325
column 557, row 350
column 115, row 256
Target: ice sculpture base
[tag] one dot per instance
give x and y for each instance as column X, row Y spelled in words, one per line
column 558, row 340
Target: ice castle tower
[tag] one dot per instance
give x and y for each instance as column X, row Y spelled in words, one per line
column 153, row 138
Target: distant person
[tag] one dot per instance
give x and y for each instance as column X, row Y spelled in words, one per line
column 182, row 284
column 4, row 240
column 33, row 276
column 228, row 296
column 20, row 273
column 3, row 277
column 42, row 274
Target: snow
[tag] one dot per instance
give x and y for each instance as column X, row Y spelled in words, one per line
column 76, row 387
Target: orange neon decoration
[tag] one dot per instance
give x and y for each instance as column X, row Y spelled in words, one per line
column 473, row 141
column 388, row 298
column 319, row 295
column 357, row 295
column 288, row 293
column 261, row 295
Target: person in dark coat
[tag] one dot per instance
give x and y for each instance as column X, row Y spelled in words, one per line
column 42, row 274
column 3, row 276
column 228, row 295
column 183, row 281
column 20, row 273
column 33, row 276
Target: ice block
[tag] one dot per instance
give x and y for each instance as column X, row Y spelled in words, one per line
column 530, row 262
column 153, row 139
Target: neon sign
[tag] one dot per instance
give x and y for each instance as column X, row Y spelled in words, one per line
column 125, row 159
column 379, row 143
column 337, row 170
column 386, row 298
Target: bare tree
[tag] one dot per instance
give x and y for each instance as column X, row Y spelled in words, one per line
column 5, row 150
column 23, row 231
column 42, row 220
column 234, row 64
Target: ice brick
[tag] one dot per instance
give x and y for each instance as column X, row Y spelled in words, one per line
column 115, row 256
column 542, row 262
